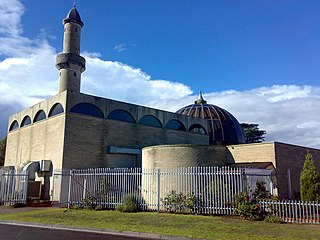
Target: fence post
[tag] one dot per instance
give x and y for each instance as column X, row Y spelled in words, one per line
column 158, row 190
column 69, row 188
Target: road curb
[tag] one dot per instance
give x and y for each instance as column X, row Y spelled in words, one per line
column 95, row 230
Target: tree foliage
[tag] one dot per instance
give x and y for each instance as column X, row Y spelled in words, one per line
column 3, row 144
column 252, row 132
column 309, row 181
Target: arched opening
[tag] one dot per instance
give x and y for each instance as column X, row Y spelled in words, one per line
column 176, row 125
column 150, row 120
column 39, row 116
column 87, row 109
column 197, row 128
column 56, row 109
column 26, row 121
column 14, row 125
column 121, row 115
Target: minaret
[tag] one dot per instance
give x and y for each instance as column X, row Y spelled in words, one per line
column 69, row 63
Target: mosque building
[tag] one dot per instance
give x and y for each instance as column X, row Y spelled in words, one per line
column 73, row 130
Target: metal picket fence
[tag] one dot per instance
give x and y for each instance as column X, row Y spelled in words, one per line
column 13, row 187
column 211, row 189
column 294, row 211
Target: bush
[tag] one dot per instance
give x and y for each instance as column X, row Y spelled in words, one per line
column 130, row 204
column 309, row 180
column 99, row 208
column 180, row 203
column 273, row 219
column 248, row 208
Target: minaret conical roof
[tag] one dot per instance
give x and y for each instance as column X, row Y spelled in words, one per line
column 73, row 16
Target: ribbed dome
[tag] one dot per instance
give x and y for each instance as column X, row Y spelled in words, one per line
column 223, row 126
column 73, row 16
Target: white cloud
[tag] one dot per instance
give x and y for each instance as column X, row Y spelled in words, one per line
column 10, row 16
column 27, row 75
column 288, row 113
column 122, row 82
column 120, row 47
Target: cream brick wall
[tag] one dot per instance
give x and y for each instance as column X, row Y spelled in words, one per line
column 176, row 156
column 87, row 137
column 40, row 141
column 283, row 156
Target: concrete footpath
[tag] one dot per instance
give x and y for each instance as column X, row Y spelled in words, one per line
column 80, row 229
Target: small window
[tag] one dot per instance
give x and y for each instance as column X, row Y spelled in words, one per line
column 26, row 121
column 56, row 109
column 87, row 109
column 39, row 116
column 14, row 125
column 150, row 120
column 121, row 115
column 197, row 128
column 176, row 125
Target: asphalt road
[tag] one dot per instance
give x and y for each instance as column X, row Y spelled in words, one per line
column 17, row 232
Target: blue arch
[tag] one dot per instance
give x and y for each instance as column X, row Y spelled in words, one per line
column 56, row 109
column 14, row 125
column 26, row 121
column 150, row 120
column 87, row 109
column 121, row 115
column 176, row 125
column 197, row 128
column 40, row 115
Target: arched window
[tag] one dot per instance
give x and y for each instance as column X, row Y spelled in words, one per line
column 26, row 121
column 14, row 125
column 150, row 120
column 197, row 128
column 121, row 115
column 87, row 109
column 176, row 125
column 39, row 116
column 56, row 109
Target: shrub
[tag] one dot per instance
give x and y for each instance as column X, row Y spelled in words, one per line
column 180, row 203
column 130, row 204
column 273, row 219
column 309, row 180
column 248, row 208
column 260, row 191
column 98, row 208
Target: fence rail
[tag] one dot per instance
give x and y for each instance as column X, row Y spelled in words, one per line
column 13, row 187
column 294, row 211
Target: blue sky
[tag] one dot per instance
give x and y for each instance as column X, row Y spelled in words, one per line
column 257, row 59
column 212, row 45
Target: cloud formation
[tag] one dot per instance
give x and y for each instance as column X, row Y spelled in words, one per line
column 287, row 113
column 120, row 47
column 27, row 76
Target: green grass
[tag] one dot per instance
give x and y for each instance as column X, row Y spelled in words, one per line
column 204, row 227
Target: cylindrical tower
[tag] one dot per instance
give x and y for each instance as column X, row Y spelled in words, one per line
column 69, row 63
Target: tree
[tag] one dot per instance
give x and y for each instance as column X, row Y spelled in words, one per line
column 252, row 133
column 3, row 144
column 309, row 181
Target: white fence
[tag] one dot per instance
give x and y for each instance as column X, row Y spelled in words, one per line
column 13, row 187
column 210, row 188
column 294, row 211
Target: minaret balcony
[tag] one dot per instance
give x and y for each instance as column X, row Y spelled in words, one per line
column 70, row 60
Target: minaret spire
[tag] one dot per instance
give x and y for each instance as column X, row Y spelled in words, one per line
column 69, row 63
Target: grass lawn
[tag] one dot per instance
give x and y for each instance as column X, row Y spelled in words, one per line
column 203, row 227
